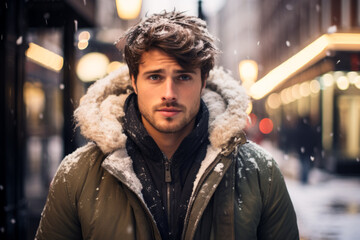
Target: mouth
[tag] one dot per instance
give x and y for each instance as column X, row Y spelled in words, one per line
column 169, row 112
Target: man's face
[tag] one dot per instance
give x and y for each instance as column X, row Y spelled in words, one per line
column 168, row 95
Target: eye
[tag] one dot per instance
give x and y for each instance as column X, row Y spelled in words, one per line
column 154, row 77
column 184, row 77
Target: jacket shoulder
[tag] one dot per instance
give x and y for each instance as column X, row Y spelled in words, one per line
column 59, row 219
column 253, row 156
column 80, row 160
column 258, row 168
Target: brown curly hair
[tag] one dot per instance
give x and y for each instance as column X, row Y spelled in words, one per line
column 183, row 37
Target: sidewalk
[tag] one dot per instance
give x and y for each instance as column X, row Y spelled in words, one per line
column 328, row 208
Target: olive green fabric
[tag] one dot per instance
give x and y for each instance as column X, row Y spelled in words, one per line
column 239, row 196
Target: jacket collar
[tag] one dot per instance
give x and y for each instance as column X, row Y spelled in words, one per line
column 100, row 116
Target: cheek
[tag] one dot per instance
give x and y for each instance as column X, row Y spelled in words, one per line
column 145, row 97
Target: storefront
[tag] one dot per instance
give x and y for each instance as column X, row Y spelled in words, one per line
column 37, row 90
column 321, row 86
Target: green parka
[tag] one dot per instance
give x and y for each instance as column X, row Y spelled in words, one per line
column 239, row 192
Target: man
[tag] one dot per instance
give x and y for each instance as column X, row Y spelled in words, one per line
column 167, row 158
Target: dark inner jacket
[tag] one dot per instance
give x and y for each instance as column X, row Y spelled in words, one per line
column 167, row 183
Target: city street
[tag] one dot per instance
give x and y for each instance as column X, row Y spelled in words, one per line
column 328, row 208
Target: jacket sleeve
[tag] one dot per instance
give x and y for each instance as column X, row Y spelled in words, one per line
column 59, row 218
column 278, row 220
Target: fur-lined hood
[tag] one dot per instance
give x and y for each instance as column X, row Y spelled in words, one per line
column 100, row 112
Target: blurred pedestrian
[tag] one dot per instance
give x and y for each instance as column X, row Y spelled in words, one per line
column 168, row 158
column 306, row 140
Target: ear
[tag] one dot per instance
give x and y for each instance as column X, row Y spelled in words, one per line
column 133, row 83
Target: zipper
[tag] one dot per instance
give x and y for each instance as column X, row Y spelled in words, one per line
column 196, row 191
column 168, row 181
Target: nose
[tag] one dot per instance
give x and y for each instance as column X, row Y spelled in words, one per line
column 169, row 93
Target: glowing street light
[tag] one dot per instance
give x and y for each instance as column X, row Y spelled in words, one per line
column 44, row 57
column 92, row 66
column 128, row 9
column 248, row 70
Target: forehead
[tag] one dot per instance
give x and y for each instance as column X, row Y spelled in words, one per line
column 157, row 59
column 156, row 56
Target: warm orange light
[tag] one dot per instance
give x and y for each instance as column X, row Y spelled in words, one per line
column 314, row 86
column 84, row 36
column 128, row 9
column 113, row 66
column 343, row 83
column 274, row 101
column 266, row 126
column 82, row 44
column 306, row 57
column 305, row 89
column 92, row 66
column 357, row 82
column 44, row 57
column 248, row 70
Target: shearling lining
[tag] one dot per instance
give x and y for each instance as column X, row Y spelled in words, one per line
column 100, row 112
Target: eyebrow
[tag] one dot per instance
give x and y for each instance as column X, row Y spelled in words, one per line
column 162, row 70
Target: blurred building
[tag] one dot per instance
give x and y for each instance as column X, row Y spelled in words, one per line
column 310, row 69
column 40, row 51
column 236, row 27
column 307, row 55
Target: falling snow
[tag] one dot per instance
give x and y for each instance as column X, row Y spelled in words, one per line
column 332, row 29
column 219, row 167
column 46, row 17
column 76, row 25
column 19, row 40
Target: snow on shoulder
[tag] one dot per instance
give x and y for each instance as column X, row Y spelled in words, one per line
column 71, row 159
column 219, row 167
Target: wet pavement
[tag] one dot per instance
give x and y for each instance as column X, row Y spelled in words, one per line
column 328, row 207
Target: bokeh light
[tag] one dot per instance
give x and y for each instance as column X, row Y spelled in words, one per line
column 266, row 125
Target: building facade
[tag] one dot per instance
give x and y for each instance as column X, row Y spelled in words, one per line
column 310, row 57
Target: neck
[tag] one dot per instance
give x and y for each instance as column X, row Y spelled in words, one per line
column 169, row 142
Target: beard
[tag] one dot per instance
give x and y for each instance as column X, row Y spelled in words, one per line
column 170, row 125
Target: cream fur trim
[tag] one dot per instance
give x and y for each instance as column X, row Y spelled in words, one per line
column 100, row 112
